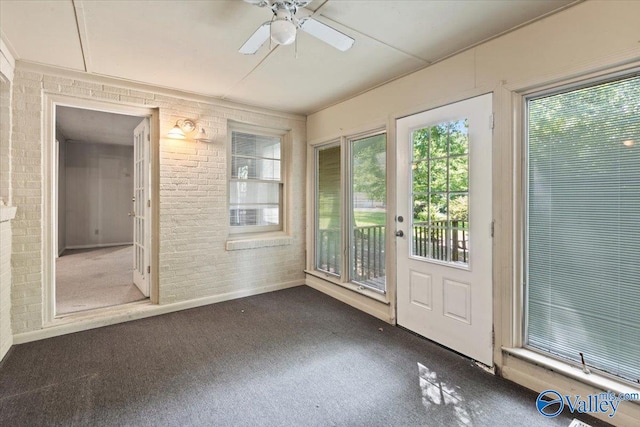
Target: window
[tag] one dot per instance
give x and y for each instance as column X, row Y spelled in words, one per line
column 440, row 192
column 582, row 238
column 255, row 182
column 368, row 188
column 328, row 208
column 356, row 232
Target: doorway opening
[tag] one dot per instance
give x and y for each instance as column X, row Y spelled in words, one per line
column 101, row 209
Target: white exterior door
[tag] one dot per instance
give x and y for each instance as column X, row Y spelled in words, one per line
column 141, row 209
column 444, row 215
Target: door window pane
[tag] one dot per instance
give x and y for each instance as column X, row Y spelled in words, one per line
column 583, row 226
column 440, row 192
column 368, row 211
column 328, row 204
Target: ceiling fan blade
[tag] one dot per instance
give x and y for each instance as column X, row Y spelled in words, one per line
column 327, row 34
column 256, row 40
column 259, row 3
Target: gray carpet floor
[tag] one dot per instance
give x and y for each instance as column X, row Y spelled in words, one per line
column 289, row 358
column 93, row 278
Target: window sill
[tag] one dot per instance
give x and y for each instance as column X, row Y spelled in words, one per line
column 258, row 241
column 593, row 379
column 350, row 286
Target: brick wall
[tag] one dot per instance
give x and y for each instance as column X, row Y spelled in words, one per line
column 5, row 140
column 194, row 262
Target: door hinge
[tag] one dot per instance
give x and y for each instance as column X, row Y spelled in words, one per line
column 491, row 121
column 493, row 336
column 148, row 137
column 148, row 203
column 148, row 269
column 493, row 227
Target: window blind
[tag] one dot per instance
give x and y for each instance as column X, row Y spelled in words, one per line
column 583, row 226
column 328, row 205
column 255, row 186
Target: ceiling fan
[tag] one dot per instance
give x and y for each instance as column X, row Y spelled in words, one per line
column 284, row 25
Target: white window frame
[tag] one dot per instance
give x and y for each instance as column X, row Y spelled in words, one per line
column 316, row 215
column 344, row 279
column 284, row 135
column 349, row 220
column 520, row 346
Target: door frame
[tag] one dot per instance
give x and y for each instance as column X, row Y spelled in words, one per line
column 490, row 221
column 49, row 196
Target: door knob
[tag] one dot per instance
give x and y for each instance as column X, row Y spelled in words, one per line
column 400, row 233
column 132, row 214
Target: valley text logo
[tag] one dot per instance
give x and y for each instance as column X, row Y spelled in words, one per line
column 550, row 403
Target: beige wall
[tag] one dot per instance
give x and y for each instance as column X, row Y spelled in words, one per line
column 588, row 38
column 99, row 187
column 194, row 263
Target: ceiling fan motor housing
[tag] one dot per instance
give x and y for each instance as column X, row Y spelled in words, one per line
column 284, row 9
column 284, row 25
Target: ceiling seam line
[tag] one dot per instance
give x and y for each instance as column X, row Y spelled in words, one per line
column 75, row 15
column 426, row 61
column 249, row 73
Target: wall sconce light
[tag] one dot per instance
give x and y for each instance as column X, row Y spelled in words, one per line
column 202, row 136
column 184, row 127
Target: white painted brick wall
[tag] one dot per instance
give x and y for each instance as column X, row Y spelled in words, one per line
column 5, row 140
column 193, row 192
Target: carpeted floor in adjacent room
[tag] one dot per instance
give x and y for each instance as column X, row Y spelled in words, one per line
column 95, row 278
column 289, row 358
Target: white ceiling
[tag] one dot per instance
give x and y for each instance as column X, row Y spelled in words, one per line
column 192, row 45
column 95, row 127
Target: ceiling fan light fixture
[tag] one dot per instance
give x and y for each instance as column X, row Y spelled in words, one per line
column 283, row 27
column 283, row 31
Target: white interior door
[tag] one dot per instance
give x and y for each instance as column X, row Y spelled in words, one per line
column 444, row 215
column 141, row 206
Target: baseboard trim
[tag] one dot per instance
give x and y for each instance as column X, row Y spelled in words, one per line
column 362, row 303
column 92, row 319
column 5, row 350
column 99, row 245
